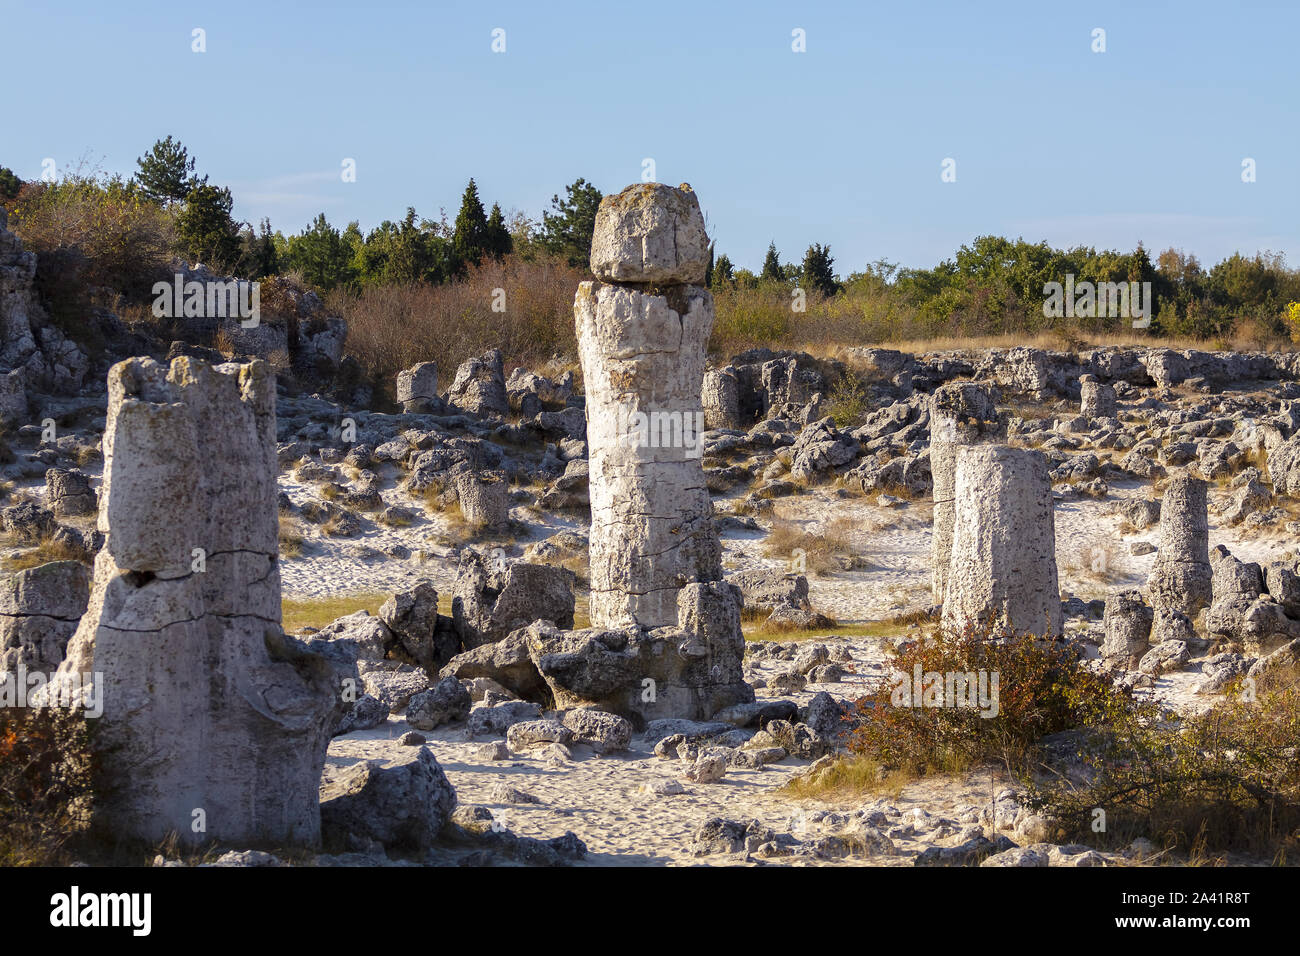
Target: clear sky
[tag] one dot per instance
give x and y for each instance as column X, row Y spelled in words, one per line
column 841, row 144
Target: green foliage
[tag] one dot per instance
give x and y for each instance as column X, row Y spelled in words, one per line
column 207, row 232
column 567, row 230
column 1227, row 778
column 471, row 236
column 724, row 273
column 772, row 265
column 1043, row 687
column 818, row 270
column 9, row 183
column 321, row 255
column 166, row 173
column 498, row 242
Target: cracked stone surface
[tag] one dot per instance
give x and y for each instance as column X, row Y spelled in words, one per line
column 210, row 713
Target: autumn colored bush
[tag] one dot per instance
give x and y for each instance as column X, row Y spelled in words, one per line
column 1034, row 688
column 46, row 769
column 524, row 308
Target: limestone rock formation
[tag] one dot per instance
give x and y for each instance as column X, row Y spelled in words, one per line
column 1128, row 627
column 417, row 387
column 962, row 413
column 1181, row 578
column 1003, row 563
column 1097, row 400
column 39, row 610
column 480, row 385
column 34, row 353
column 691, row 671
column 642, row 358
column 215, row 723
column 650, row 232
column 493, row 598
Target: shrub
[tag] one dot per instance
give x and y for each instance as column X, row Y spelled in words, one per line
column 391, row 327
column 93, row 232
column 1224, row 779
column 1042, row 687
column 46, row 769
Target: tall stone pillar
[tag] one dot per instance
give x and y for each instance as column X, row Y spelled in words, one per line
column 1003, row 563
column 214, row 724
column 961, row 413
column 1181, row 578
column 643, row 327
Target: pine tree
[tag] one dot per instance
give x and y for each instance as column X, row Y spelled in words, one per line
column 818, row 272
column 166, row 172
column 567, row 231
column 321, row 255
column 724, row 272
column 205, row 228
column 10, row 184
column 499, row 242
column 470, row 237
column 772, row 265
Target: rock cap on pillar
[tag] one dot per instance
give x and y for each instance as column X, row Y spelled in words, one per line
column 650, row 232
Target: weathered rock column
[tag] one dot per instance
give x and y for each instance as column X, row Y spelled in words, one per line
column 214, row 724
column 1003, row 563
column 961, row 413
column 642, row 331
column 1182, row 576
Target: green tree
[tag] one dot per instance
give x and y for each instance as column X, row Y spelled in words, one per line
column 469, row 240
column 321, row 255
column 772, row 265
column 166, row 172
column 724, row 272
column 9, row 183
column 818, row 270
column 258, row 257
column 498, row 243
column 205, row 229
column 567, row 230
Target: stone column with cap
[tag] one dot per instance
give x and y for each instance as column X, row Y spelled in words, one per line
column 643, row 327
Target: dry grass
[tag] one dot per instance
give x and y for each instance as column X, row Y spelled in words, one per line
column 316, row 612
column 291, row 537
column 828, row 549
column 848, row 778
column 46, row 551
column 393, row 327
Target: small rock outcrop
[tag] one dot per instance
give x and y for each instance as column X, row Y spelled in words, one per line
column 690, row 671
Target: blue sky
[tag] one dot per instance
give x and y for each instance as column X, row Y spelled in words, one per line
column 842, row 144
